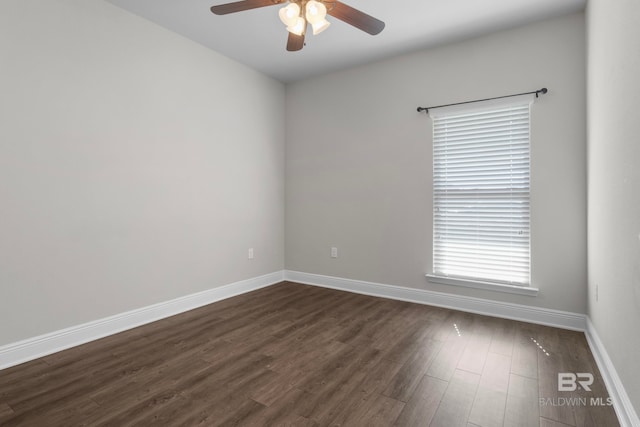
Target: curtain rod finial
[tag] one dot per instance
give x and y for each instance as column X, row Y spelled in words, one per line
column 421, row 109
column 541, row 91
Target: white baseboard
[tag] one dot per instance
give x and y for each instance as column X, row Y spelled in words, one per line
column 524, row 313
column 621, row 402
column 32, row 348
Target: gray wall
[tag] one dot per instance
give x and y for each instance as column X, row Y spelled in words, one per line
column 131, row 171
column 358, row 170
column 614, row 183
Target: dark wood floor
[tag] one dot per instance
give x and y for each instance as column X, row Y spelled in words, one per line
column 299, row 355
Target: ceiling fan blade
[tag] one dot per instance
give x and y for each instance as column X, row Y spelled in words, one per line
column 239, row 6
column 358, row 19
column 295, row 42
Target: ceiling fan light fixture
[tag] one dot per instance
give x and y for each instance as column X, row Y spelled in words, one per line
column 299, row 26
column 296, row 14
column 320, row 26
column 289, row 14
column 315, row 11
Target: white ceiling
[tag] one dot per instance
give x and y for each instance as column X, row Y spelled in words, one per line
column 257, row 38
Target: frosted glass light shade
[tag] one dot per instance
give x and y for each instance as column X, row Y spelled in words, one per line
column 315, row 11
column 298, row 27
column 320, row 26
column 289, row 14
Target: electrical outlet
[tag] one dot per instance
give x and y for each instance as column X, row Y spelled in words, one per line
column 250, row 253
column 334, row 252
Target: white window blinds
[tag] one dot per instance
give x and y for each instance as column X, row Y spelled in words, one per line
column 481, row 193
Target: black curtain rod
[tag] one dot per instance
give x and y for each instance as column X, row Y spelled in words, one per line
column 537, row 92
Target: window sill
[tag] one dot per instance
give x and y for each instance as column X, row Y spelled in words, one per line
column 487, row 286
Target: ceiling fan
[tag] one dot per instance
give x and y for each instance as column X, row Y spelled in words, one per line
column 298, row 13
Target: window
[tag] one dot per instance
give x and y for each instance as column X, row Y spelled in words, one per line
column 481, row 221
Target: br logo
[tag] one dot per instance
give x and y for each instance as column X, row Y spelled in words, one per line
column 568, row 381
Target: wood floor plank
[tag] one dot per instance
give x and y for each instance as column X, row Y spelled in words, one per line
column 304, row 362
column 490, row 401
column 550, row 423
column 25, row 376
column 352, row 326
column 267, row 393
column 446, row 361
column 503, row 337
column 288, row 408
column 421, row 407
column 363, row 388
column 379, row 376
column 338, row 368
column 6, row 412
column 457, row 401
column 595, row 408
column 289, row 420
column 240, row 415
column 397, row 328
column 406, row 380
column 381, row 411
column 378, row 324
column 299, row 355
column 523, row 406
column 415, row 339
column 475, row 353
column 550, row 363
column 339, row 386
column 524, row 361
